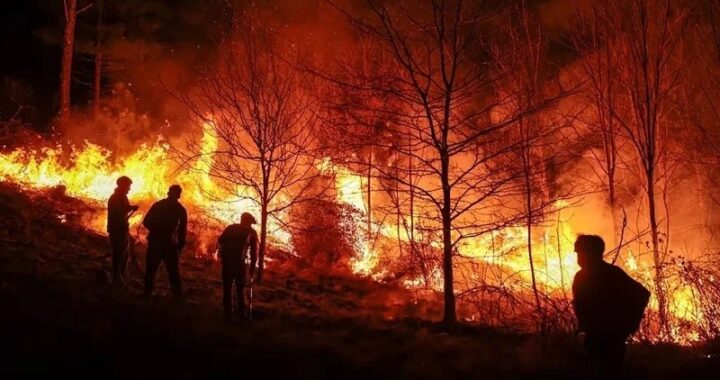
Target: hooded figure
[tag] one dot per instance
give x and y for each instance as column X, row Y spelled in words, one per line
column 609, row 306
column 166, row 222
column 234, row 244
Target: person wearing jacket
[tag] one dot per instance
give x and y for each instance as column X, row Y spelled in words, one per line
column 118, row 228
column 609, row 306
column 166, row 222
column 235, row 242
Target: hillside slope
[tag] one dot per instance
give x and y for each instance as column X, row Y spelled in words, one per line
column 59, row 316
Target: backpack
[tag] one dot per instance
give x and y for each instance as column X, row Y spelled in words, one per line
column 638, row 298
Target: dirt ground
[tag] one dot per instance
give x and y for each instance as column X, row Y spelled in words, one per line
column 60, row 317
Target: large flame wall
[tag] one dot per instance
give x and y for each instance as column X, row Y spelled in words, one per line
column 90, row 171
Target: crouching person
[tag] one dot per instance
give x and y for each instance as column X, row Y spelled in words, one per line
column 234, row 244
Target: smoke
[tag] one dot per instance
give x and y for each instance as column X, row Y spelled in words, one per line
column 556, row 14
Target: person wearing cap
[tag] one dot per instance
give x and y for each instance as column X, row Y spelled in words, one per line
column 118, row 228
column 166, row 222
column 609, row 306
column 234, row 244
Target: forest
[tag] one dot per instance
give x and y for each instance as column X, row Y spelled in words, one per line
column 436, row 159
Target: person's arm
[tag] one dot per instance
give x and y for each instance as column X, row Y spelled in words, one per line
column 222, row 242
column 182, row 228
column 149, row 220
column 128, row 208
column 222, row 239
column 110, row 214
column 253, row 253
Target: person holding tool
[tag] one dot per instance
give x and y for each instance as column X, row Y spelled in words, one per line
column 118, row 228
column 234, row 244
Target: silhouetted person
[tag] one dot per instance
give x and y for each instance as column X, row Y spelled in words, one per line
column 166, row 222
column 118, row 228
column 609, row 306
column 234, row 243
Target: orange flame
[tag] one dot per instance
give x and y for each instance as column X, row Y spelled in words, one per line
column 89, row 172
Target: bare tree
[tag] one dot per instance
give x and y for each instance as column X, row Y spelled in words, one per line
column 521, row 55
column 253, row 102
column 71, row 12
column 443, row 95
column 70, row 9
column 650, row 37
column 352, row 126
column 97, row 77
column 701, row 94
column 594, row 40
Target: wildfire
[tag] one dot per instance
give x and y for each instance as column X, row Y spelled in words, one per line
column 90, row 172
column 349, row 187
column 554, row 257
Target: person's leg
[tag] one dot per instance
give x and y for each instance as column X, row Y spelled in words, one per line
column 114, row 247
column 152, row 262
column 172, row 265
column 616, row 357
column 607, row 355
column 124, row 256
column 227, row 280
column 593, row 347
column 240, row 288
column 118, row 243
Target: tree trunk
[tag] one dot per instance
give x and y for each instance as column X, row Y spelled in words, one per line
column 657, row 258
column 612, row 203
column 450, row 316
column 611, row 167
column 559, row 252
column 264, row 202
column 413, row 246
column 529, row 219
column 97, row 83
column 263, row 241
column 536, row 292
column 369, row 198
column 610, row 139
column 67, row 58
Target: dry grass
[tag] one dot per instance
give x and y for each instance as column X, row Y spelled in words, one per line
column 58, row 316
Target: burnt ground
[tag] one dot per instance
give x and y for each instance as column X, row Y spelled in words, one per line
column 59, row 317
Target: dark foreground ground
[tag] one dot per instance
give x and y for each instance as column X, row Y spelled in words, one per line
column 59, row 318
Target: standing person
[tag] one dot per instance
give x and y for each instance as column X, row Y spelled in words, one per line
column 166, row 222
column 609, row 306
column 234, row 243
column 118, row 228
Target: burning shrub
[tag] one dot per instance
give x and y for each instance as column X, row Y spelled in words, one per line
column 324, row 235
column 703, row 277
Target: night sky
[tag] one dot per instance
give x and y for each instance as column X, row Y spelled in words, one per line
column 182, row 31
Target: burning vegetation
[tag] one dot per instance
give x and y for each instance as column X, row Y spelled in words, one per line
column 450, row 147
